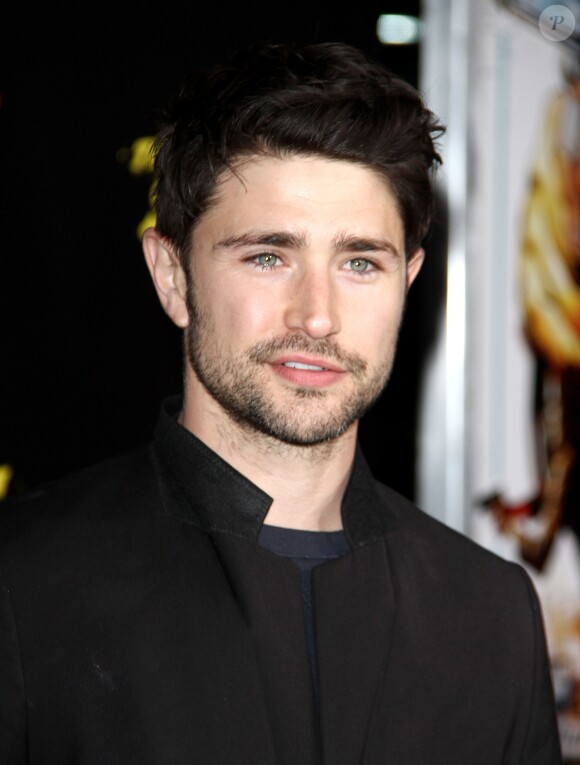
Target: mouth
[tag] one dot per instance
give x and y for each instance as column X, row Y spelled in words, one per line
column 299, row 361
column 307, row 373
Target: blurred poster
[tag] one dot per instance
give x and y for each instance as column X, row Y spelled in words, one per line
column 525, row 341
column 546, row 527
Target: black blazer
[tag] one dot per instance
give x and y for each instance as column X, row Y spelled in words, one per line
column 140, row 622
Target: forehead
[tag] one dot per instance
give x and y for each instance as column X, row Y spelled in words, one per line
column 309, row 193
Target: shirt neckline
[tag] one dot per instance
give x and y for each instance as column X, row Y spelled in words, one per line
column 201, row 488
column 298, row 543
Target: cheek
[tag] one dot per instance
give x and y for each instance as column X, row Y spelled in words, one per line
column 377, row 335
column 260, row 311
column 244, row 316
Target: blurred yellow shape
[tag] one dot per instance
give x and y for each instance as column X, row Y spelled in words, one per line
column 6, row 473
column 141, row 163
column 141, row 160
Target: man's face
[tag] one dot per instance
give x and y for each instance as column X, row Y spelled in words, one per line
column 297, row 288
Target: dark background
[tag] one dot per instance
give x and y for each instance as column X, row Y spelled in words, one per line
column 86, row 352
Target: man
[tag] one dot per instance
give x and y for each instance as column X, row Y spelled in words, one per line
column 242, row 591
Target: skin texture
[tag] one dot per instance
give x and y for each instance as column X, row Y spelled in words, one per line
column 299, row 260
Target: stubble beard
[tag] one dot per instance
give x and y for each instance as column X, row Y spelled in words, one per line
column 306, row 416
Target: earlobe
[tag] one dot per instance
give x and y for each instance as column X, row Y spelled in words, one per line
column 414, row 265
column 168, row 276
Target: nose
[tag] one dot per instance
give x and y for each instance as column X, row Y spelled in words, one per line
column 313, row 306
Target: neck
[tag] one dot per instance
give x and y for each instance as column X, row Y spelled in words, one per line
column 306, row 483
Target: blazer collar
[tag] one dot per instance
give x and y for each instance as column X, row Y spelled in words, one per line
column 203, row 489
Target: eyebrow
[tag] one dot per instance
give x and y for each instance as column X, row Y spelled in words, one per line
column 345, row 243
column 271, row 238
column 341, row 243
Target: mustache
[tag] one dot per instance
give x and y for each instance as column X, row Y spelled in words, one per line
column 263, row 352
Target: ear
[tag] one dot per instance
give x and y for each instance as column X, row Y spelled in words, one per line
column 168, row 276
column 414, row 264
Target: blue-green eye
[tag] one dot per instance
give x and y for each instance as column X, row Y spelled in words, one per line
column 359, row 264
column 267, row 260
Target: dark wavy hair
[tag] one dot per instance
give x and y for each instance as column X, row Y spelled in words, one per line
column 324, row 99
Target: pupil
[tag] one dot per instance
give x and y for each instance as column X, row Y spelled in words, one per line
column 359, row 265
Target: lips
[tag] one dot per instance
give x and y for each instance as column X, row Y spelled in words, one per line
column 307, row 372
column 308, row 363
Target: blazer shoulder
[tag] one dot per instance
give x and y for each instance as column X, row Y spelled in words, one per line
column 118, row 483
column 452, row 554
